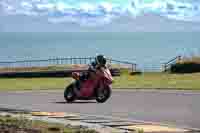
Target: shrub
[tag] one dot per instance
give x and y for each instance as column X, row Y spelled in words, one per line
column 186, row 65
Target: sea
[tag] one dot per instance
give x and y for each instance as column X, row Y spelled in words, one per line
column 147, row 49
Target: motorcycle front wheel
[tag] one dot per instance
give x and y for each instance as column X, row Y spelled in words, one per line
column 103, row 95
column 69, row 93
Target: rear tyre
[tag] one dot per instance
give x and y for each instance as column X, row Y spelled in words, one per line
column 103, row 95
column 69, row 94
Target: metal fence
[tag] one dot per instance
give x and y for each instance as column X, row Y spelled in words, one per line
column 86, row 60
column 167, row 65
column 63, row 61
column 46, row 62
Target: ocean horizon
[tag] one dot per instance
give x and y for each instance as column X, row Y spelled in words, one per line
column 147, row 49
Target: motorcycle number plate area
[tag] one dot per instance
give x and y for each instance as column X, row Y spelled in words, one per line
column 87, row 88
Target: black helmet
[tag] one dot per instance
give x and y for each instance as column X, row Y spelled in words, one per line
column 101, row 60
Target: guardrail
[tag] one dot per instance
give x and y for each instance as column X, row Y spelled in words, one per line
column 60, row 61
column 168, row 64
column 47, row 62
column 132, row 66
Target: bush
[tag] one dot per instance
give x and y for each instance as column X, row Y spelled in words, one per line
column 188, row 67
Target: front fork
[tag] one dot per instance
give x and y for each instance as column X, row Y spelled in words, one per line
column 76, row 87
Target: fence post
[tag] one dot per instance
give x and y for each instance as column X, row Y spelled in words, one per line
column 74, row 60
column 179, row 58
column 135, row 67
column 56, row 61
column 65, row 60
column 165, row 67
column 61, row 61
column 132, row 67
column 90, row 59
column 85, row 60
column 71, row 60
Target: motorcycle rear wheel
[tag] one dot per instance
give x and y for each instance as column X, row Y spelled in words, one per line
column 104, row 94
column 69, row 93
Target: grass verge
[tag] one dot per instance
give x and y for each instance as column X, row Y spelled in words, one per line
column 10, row 124
column 159, row 81
column 143, row 81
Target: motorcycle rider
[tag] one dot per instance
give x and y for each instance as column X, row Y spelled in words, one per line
column 97, row 69
column 101, row 68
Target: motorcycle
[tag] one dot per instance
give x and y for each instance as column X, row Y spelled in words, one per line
column 89, row 85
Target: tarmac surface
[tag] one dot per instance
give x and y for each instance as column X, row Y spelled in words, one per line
column 180, row 108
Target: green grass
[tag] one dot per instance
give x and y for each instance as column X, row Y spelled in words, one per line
column 52, row 68
column 33, row 83
column 143, row 81
column 38, row 69
column 159, row 80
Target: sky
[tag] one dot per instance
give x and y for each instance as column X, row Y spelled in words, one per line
column 99, row 15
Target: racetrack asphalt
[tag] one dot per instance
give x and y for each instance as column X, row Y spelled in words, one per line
column 180, row 108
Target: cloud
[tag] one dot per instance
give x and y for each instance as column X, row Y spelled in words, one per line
column 143, row 23
column 99, row 15
column 87, row 12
